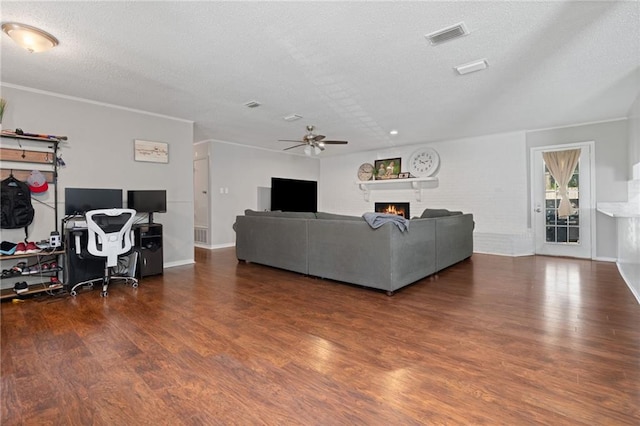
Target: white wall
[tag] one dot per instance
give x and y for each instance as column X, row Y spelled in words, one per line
column 611, row 170
column 484, row 175
column 99, row 154
column 239, row 170
column 629, row 228
column 634, row 139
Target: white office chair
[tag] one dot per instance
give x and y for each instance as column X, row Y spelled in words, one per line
column 110, row 236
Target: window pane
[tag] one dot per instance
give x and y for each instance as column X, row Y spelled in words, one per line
column 562, row 235
column 551, row 234
column 551, row 216
column 574, row 234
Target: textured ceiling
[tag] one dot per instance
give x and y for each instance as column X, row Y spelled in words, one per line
column 355, row 70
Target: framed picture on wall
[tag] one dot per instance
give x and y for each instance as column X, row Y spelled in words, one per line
column 387, row 169
column 152, row 152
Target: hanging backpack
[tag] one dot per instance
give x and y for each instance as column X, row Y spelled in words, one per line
column 17, row 210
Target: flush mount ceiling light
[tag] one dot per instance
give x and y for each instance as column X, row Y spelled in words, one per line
column 292, row 117
column 474, row 66
column 31, row 38
column 393, row 132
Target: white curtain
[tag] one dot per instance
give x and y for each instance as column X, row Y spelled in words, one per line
column 561, row 165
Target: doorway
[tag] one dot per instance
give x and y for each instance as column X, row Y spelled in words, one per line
column 563, row 230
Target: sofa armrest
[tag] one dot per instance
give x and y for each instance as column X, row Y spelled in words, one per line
column 454, row 236
column 274, row 241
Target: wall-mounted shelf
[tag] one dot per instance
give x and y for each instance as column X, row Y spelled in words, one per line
column 417, row 184
column 619, row 209
column 47, row 156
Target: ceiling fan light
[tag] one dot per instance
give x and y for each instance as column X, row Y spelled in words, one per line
column 31, row 38
column 317, row 150
column 321, row 144
column 307, row 151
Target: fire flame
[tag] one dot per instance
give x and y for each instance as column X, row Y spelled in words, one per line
column 390, row 209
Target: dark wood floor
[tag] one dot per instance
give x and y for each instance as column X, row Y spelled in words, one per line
column 493, row 340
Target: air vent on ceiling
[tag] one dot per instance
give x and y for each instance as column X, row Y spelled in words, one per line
column 252, row 104
column 292, row 117
column 446, row 34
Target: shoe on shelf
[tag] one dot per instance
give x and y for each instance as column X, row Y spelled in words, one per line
column 21, row 249
column 54, row 265
column 44, row 267
column 21, row 287
column 55, row 281
column 18, row 268
column 32, row 248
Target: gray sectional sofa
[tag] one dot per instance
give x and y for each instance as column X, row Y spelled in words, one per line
column 348, row 249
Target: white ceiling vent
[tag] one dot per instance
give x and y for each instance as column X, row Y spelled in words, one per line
column 446, row 34
column 292, row 117
column 252, row 104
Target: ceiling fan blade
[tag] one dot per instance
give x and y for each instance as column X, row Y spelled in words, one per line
column 289, row 140
column 318, row 138
column 295, row 146
column 335, row 142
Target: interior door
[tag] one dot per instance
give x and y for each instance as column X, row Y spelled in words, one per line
column 563, row 236
column 201, row 199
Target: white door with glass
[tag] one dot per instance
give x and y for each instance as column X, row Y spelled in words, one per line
column 561, row 179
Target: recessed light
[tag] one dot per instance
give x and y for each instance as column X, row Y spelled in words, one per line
column 474, row 66
column 393, row 132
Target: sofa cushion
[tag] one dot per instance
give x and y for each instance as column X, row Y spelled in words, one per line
column 296, row 215
column 333, row 216
column 430, row 213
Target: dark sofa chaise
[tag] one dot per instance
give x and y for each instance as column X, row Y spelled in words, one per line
column 348, row 249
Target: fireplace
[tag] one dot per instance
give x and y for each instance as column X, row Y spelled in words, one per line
column 401, row 209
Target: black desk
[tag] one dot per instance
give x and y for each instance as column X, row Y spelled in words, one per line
column 83, row 267
column 80, row 267
column 148, row 243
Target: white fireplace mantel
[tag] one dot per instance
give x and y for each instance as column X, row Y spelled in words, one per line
column 416, row 184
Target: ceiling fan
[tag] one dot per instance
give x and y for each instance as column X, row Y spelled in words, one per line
column 313, row 143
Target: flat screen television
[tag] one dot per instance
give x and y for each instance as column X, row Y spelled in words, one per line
column 148, row 201
column 78, row 201
column 294, row 195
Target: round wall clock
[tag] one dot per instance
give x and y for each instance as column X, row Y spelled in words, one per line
column 365, row 171
column 424, row 162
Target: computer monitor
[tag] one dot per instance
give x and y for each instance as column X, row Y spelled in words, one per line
column 78, row 201
column 148, row 201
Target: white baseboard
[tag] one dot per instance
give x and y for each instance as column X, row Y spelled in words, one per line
column 179, row 263
column 627, row 280
column 503, row 254
column 605, row 259
column 215, row 246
